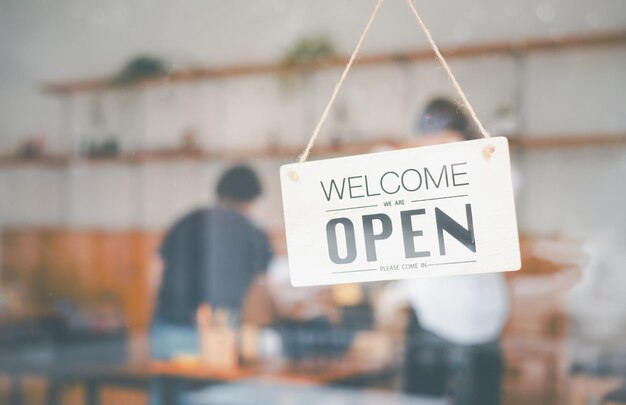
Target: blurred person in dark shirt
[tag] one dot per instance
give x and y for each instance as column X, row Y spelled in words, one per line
column 210, row 256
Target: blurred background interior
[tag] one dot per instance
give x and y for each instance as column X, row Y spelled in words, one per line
column 118, row 118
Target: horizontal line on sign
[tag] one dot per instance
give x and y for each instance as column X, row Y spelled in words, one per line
column 352, row 271
column 442, row 264
column 352, row 208
column 441, row 198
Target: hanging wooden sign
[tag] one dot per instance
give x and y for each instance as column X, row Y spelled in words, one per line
column 420, row 212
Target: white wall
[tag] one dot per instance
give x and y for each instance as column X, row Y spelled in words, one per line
column 577, row 91
column 574, row 91
column 577, row 193
column 67, row 39
column 562, row 92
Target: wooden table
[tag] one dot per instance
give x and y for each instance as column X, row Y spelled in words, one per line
column 255, row 392
column 168, row 379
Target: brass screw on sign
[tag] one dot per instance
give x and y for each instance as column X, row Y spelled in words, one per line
column 488, row 151
column 293, row 176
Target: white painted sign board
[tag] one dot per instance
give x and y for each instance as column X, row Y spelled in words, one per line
column 420, row 212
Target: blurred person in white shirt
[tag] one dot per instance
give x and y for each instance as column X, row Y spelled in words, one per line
column 453, row 333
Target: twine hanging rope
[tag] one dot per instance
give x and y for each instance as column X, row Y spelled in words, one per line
column 443, row 62
column 466, row 104
column 305, row 154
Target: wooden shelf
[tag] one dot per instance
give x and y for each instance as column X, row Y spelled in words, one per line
column 287, row 153
column 464, row 51
column 518, row 142
column 47, row 160
column 566, row 141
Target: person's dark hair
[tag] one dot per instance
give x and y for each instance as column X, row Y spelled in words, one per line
column 239, row 183
column 444, row 115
